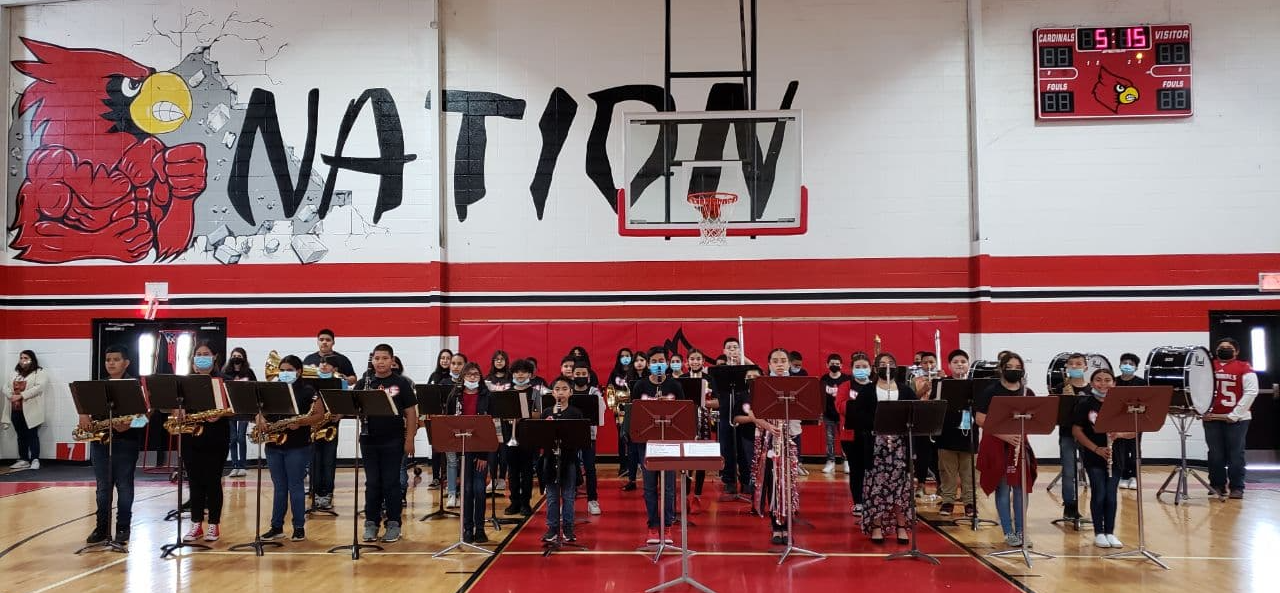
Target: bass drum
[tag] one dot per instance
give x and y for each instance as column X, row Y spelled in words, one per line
column 984, row 369
column 1189, row 370
column 1058, row 367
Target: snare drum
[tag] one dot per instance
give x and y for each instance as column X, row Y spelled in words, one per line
column 1189, row 370
column 984, row 369
column 1058, row 367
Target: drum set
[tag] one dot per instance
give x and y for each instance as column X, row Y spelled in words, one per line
column 1189, row 370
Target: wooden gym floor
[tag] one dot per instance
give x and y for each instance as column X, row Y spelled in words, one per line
column 1208, row 545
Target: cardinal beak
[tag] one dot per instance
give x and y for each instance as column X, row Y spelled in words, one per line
column 1128, row 95
column 162, row 105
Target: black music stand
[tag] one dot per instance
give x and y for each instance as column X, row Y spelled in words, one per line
column 727, row 380
column 691, row 387
column 359, row 405
column 1066, row 413
column 554, row 435
column 507, row 405
column 1136, row 410
column 662, row 420
column 179, row 393
column 318, row 384
column 787, row 399
column 108, row 400
column 1022, row 416
column 909, row 419
column 960, row 395
column 460, row 434
column 431, row 403
column 248, row 401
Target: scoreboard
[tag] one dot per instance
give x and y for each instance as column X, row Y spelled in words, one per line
column 1113, row 72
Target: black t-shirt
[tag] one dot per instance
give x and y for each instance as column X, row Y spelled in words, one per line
column 953, row 438
column 340, row 362
column 742, row 399
column 387, row 430
column 983, row 402
column 1135, row 381
column 1064, row 423
column 830, row 387
column 304, row 396
column 1086, row 415
column 669, row 389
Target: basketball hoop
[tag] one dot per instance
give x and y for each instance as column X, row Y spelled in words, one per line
column 716, row 208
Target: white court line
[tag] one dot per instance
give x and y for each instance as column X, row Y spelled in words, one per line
column 82, row 575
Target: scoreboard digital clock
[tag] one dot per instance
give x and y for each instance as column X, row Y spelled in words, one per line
column 1113, row 72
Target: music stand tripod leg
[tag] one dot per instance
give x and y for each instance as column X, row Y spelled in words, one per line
column 1025, row 549
column 356, row 546
column 463, row 475
column 914, row 552
column 109, row 543
column 440, row 511
column 1142, row 551
column 684, row 578
column 257, row 544
column 168, row 550
column 787, row 485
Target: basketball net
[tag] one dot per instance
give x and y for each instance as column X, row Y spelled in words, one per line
column 716, row 209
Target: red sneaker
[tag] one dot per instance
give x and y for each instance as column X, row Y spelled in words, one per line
column 695, row 505
column 653, row 537
column 212, row 534
column 196, row 532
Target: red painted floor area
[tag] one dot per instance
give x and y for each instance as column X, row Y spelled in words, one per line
column 735, row 554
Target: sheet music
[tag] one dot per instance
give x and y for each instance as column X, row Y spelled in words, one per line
column 667, row 450
column 702, row 449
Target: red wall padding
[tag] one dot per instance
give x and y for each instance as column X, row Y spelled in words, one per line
column 550, row 341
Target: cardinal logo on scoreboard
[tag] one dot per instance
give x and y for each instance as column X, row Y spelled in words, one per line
column 1113, row 90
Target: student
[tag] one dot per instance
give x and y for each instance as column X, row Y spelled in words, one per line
column 955, row 446
column 638, row 371
column 676, row 363
column 204, row 457
column 472, row 398
column 1075, row 384
column 996, row 452
column 384, row 442
column 580, row 352
column 736, row 475
column 324, row 454
column 559, row 469
column 456, row 365
column 24, row 408
column 831, row 383
column 520, row 461
column 1128, row 378
column 499, row 379
column 442, row 367
column 288, row 460
column 1235, row 386
column 658, row 386
column 705, row 424
column 566, row 368
column 1100, row 454
column 856, row 438
column 797, row 364
column 237, row 369
column 618, row 381
column 582, row 386
column 126, row 441
column 743, row 431
column 887, row 496
column 324, row 343
column 771, row 495
column 926, row 453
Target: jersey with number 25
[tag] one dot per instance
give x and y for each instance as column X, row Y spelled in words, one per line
column 1228, row 384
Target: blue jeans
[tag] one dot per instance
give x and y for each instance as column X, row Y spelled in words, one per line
column 239, row 448
column 451, row 473
column 473, row 513
column 324, row 464
column 588, row 456
column 651, row 495
column 382, row 481
column 560, row 503
column 1226, row 453
column 831, row 428
column 1067, row 446
column 1007, row 519
column 288, row 470
column 28, row 438
column 404, row 477
column 1103, row 495
column 124, row 458
column 746, row 452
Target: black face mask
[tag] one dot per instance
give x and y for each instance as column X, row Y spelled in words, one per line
column 884, row 373
column 1012, row 375
column 835, row 368
column 1226, row 354
column 581, row 381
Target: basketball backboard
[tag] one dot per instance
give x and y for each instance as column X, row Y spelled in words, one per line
column 755, row 155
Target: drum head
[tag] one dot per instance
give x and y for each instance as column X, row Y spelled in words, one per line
column 1057, row 373
column 1199, row 379
column 984, row 369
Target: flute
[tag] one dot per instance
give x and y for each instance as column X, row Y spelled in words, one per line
column 1110, row 457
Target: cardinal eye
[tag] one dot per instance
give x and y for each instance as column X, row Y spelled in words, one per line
column 1119, row 89
column 130, row 87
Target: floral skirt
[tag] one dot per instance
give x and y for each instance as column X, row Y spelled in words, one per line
column 887, row 491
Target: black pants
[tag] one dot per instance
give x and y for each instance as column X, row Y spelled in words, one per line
column 926, row 455
column 850, row 449
column 860, row 462
column 204, row 458
column 28, row 437
column 520, row 476
column 382, row 471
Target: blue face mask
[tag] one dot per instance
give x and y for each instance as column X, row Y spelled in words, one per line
column 203, row 363
column 454, row 375
column 676, row 365
column 1128, row 369
column 519, row 382
column 288, row 376
column 1099, row 394
column 471, row 384
column 1075, row 373
column 658, row 368
column 324, row 375
column 861, row 374
column 625, row 360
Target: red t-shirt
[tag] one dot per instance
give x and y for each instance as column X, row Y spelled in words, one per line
column 470, row 401
column 1228, row 384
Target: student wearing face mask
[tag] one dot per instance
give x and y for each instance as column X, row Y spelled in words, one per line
column 658, row 386
column 1075, row 384
column 618, row 380
column 521, row 460
column 998, row 471
column 583, row 387
column 237, row 369
column 888, row 503
column 472, row 398
column 23, row 408
column 770, row 497
column 454, row 377
column 956, row 447
column 204, row 457
column 832, row 381
column 1101, row 453
column 288, row 460
column 1129, row 378
column 856, row 439
column 1235, row 386
column 324, row 348
column 637, row 371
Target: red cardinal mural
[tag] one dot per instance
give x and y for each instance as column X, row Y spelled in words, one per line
column 1112, row 91
column 100, row 184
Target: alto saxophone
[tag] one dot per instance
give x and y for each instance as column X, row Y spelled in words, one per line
column 619, row 400
column 275, row 433
column 324, row 431
column 193, row 424
column 100, row 430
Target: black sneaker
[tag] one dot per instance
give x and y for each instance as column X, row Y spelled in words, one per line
column 299, row 534
column 480, row 537
column 629, row 486
column 514, row 509
column 98, row 536
column 526, row 511
column 550, row 536
column 272, row 534
column 122, row 536
column 570, row 537
column 468, row 538
column 1236, row 495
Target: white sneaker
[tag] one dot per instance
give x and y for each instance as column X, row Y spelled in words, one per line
column 829, row 468
column 501, row 485
column 35, row 464
column 1101, row 541
column 1114, row 541
column 451, row 502
column 20, row 464
column 803, row 471
column 1133, row 484
column 846, row 466
column 593, row 507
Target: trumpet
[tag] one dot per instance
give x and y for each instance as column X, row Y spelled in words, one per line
column 326, row 430
column 276, row 432
column 100, row 430
column 193, row 424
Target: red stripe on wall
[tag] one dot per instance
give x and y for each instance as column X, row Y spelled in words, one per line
column 1128, row 270
column 243, row 322
column 221, row 279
